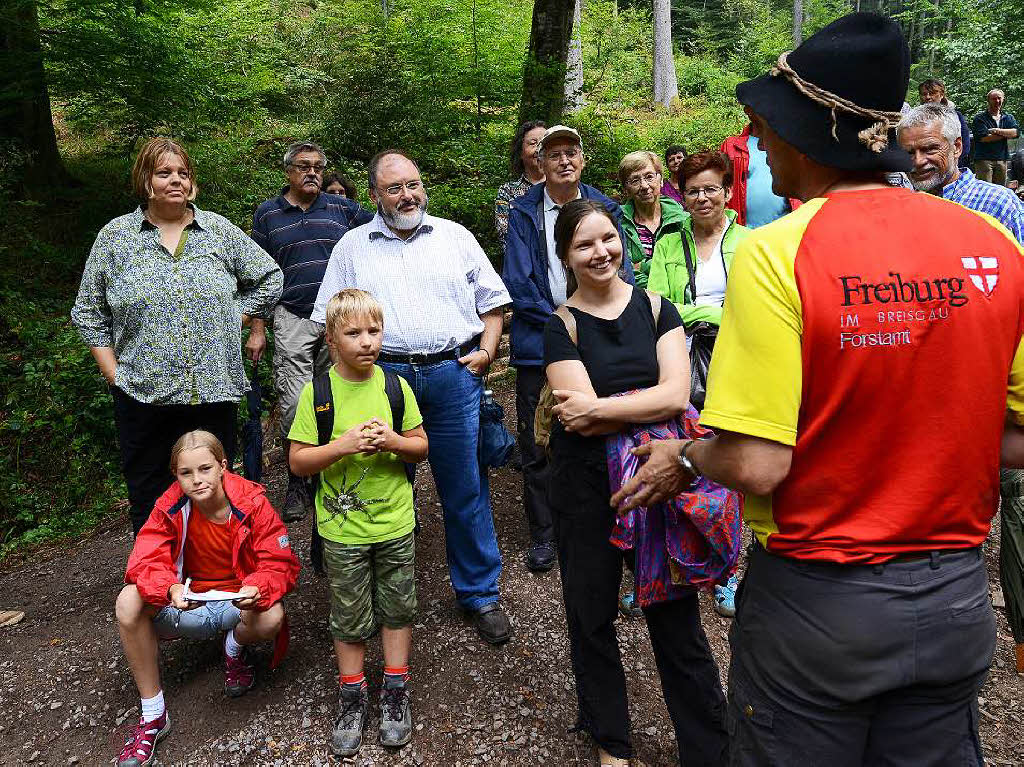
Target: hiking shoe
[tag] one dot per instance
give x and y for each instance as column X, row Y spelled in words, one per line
column 296, row 499
column 140, row 745
column 541, row 557
column 492, row 624
column 725, row 598
column 347, row 736
column 628, row 606
column 395, row 716
column 239, row 675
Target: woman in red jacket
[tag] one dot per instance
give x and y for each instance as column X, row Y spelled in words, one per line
column 211, row 531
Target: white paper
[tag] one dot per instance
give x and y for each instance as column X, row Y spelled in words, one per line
column 208, row 596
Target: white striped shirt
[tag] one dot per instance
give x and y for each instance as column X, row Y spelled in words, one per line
column 433, row 286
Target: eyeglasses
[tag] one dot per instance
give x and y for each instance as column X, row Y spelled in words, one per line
column 396, row 189
column 306, row 167
column 532, row 143
column 568, row 154
column 709, row 191
column 648, row 178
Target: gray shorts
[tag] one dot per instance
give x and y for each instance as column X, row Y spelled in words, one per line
column 204, row 622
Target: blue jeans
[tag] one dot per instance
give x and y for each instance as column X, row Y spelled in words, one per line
column 203, row 622
column 449, row 399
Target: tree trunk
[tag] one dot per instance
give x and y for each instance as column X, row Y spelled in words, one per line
column 26, row 122
column 798, row 22
column 666, row 88
column 574, row 65
column 544, row 73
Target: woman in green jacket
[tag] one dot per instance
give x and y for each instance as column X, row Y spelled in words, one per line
column 691, row 268
column 647, row 217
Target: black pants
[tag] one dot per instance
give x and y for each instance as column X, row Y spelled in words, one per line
column 529, row 381
column 591, row 571
column 147, row 433
column 860, row 665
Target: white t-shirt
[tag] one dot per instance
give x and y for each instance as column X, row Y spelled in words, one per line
column 556, row 272
column 711, row 278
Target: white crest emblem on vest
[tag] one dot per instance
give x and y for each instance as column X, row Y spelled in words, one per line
column 983, row 271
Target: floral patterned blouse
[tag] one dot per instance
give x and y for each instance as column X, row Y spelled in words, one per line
column 508, row 192
column 174, row 320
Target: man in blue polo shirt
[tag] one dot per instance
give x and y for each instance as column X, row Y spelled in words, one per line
column 298, row 228
column 992, row 130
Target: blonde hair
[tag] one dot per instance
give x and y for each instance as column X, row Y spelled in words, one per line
column 635, row 161
column 148, row 159
column 347, row 304
column 194, row 440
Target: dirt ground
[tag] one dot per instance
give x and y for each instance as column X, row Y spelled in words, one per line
column 66, row 696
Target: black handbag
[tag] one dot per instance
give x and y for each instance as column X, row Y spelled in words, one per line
column 702, row 336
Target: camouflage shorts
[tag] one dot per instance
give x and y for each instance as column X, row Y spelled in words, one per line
column 372, row 585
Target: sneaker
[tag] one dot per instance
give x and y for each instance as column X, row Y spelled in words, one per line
column 140, row 745
column 347, row 736
column 725, row 598
column 395, row 716
column 492, row 624
column 296, row 499
column 628, row 606
column 239, row 675
column 541, row 557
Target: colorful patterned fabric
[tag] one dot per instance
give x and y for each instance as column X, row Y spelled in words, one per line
column 509, row 191
column 693, row 540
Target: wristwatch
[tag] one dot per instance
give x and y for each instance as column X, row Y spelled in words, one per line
column 686, row 463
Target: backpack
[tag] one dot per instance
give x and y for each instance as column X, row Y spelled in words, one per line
column 323, row 406
column 543, row 417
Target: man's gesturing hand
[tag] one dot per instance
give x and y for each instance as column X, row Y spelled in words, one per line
column 661, row 476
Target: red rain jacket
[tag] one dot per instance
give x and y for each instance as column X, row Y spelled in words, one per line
column 261, row 553
column 736, row 148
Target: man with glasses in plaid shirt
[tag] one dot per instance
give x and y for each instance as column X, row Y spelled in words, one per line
column 298, row 228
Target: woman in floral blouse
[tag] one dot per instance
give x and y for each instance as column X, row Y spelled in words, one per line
column 165, row 293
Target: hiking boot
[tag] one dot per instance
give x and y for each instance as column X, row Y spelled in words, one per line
column 725, row 598
column 239, row 675
column 628, row 606
column 296, row 500
column 541, row 557
column 347, row 735
column 395, row 716
column 140, row 745
column 492, row 624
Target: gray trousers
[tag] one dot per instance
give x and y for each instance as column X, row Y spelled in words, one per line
column 1011, row 548
column 849, row 666
column 300, row 352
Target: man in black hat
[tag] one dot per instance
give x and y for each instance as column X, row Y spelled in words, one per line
column 859, row 394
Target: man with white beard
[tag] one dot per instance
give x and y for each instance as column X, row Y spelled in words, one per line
column 931, row 133
column 443, row 305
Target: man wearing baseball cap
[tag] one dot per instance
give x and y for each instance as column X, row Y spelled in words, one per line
column 868, row 379
column 536, row 280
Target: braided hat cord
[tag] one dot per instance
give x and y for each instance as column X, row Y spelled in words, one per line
column 874, row 137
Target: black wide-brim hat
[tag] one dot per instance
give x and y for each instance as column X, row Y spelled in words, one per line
column 862, row 58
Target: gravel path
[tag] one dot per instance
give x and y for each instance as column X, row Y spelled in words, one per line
column 66, row 696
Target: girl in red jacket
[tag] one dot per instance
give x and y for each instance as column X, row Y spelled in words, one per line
column 218, row 531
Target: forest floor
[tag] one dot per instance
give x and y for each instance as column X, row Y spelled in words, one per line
column 67, row 697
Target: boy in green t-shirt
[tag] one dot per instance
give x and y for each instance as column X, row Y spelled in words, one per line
column 364, row 516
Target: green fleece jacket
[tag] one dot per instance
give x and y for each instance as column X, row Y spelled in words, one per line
column 671, row 217
column 669, row 276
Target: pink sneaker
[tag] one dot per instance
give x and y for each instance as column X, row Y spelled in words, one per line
column 238, row 675
column 140, row 745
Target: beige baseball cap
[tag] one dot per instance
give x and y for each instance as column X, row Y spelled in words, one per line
column 560, row 131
